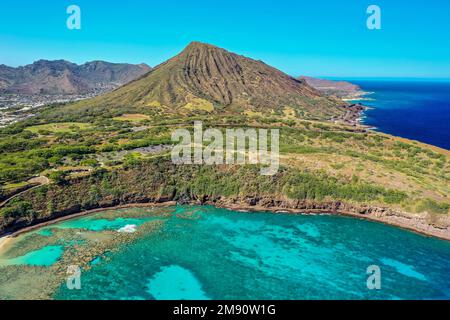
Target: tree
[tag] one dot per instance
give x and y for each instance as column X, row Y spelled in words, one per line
column 58, row 176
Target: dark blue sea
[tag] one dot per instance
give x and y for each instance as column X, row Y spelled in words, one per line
column 413, row 109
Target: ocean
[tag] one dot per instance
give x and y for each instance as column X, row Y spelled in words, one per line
column 212, row 253
column 413, row 109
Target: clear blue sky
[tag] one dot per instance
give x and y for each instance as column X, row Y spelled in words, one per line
column 318, row 38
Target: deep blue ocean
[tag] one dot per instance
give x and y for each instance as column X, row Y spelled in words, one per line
column 417, row 110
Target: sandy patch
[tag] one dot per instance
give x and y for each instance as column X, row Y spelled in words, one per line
column 4, row 241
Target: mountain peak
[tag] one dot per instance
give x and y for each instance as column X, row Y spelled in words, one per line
column 196, row 47
column 199, row 44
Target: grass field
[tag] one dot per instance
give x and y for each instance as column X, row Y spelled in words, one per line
column 199, row 104
column 64, row 127
column 12, row 186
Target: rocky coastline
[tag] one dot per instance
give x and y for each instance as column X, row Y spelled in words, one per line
column 353, row 116
column 416, row 223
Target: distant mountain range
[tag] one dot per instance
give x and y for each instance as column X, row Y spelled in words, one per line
column 62, row 77
column 205, row 78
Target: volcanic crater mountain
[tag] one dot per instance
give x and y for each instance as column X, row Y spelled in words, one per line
column 206, row 79
column 62, row 77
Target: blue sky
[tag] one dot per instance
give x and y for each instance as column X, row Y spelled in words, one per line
column 318, row 38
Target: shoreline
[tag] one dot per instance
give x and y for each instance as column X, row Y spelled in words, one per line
column 81, row 214
column 357, row 99
column 355, row 110
column 396, row 223
column 358, row 96
column 413, row 224
column 6, row 238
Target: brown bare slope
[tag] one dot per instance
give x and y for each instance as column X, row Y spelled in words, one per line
column 341, row 89
column 210, row 79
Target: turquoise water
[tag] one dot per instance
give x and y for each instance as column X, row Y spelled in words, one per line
column 50, row 254
column 44, row 257
column 210, row 253
column 175, row 282
column 93, row 224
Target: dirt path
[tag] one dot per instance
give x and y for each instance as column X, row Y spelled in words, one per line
column 40, row 180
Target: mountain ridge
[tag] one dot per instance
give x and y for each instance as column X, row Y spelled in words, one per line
column 338, row 88
column 61, row 77
column 206, row 78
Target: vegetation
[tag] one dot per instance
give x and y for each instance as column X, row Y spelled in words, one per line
column 321, row 162
column 146, row 179
column 301, row 185
column 64, row 127
column 204, row 79
column 136, row 117
column 96, row 152
column 433, row 206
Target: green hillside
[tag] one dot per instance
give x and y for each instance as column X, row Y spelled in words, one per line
column 114, row 149
column 209, row 80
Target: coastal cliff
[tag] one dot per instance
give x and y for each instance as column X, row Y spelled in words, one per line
column 414, row 222
column 161, row 182
column 113, row 149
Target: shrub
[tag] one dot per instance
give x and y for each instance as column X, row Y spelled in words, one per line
column 433, row 206
column 58, row 176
